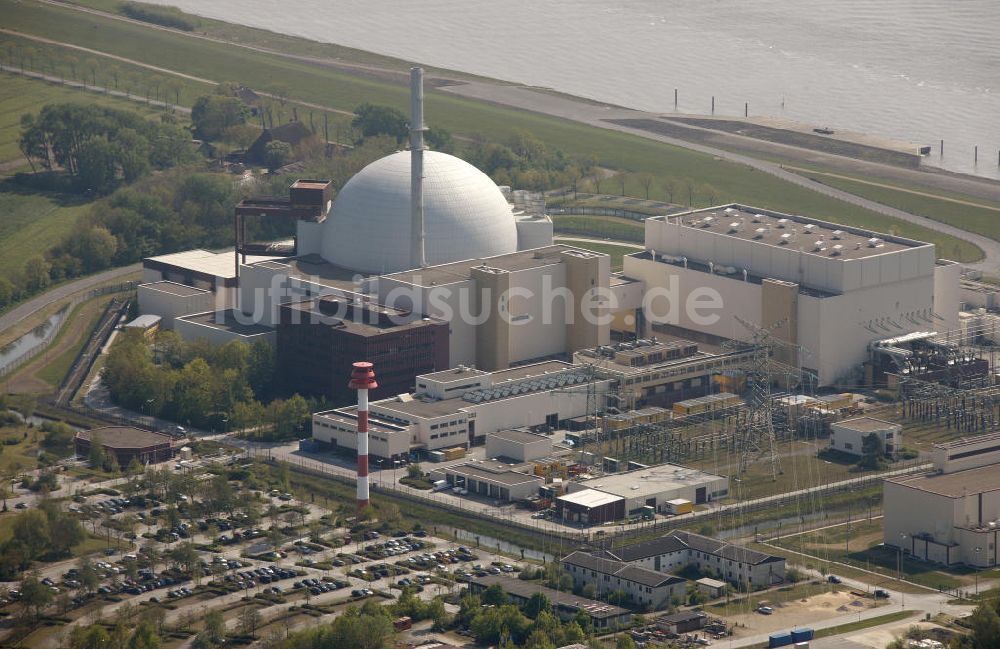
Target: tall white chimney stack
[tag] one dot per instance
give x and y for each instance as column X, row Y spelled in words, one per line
column 417, row 254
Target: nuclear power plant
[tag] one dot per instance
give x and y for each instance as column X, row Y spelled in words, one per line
column 421, row 265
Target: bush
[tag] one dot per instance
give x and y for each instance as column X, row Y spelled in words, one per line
column 164, row 16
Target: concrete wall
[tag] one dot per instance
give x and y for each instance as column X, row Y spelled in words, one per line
column 157, row 299
column 833, row 329
column 382, row 444
column 190, row 331
column 836, row 274
column 537, row 327
column 525, row 451
column 947, row 294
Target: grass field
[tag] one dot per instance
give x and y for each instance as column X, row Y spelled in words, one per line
column 20, row 95
column 58, row 367
column 982, row 219
column 604, row 227
column 860, row 544
column 313, row 83
column 31, row 224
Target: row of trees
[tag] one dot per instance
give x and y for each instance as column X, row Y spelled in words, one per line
column 100, row 146
column 223, row 387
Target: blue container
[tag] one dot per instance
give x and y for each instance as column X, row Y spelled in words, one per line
column 802, row 635
column 782, row 639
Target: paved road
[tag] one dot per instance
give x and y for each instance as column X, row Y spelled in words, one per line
column 22, row 311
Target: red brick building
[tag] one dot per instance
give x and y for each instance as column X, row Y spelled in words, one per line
column 127, row 443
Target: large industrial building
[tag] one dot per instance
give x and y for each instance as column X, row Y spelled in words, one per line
column 459, row 407
column 830, row 288
column 127, row 444
column 319, row 339
column 429, row 235
column 950, row 515
column 611, row 496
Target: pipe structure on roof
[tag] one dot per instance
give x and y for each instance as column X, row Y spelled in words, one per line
column 418, row 254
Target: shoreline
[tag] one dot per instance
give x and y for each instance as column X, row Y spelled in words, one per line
column 383, row 68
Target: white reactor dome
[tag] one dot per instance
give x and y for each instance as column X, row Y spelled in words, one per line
column 465, row 216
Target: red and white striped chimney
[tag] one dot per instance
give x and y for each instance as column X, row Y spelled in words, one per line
column 362, row 380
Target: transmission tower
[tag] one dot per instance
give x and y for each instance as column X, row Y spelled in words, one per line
column 755, row 438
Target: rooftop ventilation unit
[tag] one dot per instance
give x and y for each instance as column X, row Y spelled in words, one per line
column 731, row 211
column 818, row 245
column 758, row 218
column 838, row 234
column 809, row 227
column 785, row 238
column 874, row 242
column 759, row 233
column 837, row 249
column 734, row 227
column 707, row 221
column 782, row 223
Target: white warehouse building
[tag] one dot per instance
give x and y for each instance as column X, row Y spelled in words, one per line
column 829, row 288
column 950, row 515
column 460, row 407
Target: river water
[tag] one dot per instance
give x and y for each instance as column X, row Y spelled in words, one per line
column 42, row 334
column 916, row 70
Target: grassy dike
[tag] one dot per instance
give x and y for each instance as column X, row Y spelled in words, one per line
column 312, row 82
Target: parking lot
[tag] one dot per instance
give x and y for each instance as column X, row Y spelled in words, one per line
column 173, row 554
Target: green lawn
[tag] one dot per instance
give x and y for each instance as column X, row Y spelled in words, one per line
column 59, row 367
column 313, row 83
column 604, row 227
column 866, row 551
column 31, row 224
column 983, row 220
column 20, row 95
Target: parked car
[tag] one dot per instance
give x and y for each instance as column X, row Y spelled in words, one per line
column 765, row 610
column 834, row 579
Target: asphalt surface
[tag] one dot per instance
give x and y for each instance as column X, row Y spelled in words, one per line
column 64, row 291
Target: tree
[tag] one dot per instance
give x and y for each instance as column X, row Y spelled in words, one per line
column 132, row 153
column 414, row 471
column 494, row 595
column 646, row 180
column 145, row 637
column 624, row 642
column 373, row 120
column 249, row 620
column 31, row 530
column 985, row 623
column 98, row 164
column 96, row 456
column 214, row 633
column 537, row 604
column 872, row 453
column 277, row 154
column 35, row 595
column 620, row 179
column 89, row 637
column 211, row 115
column 440, row 140
column 36, row 273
